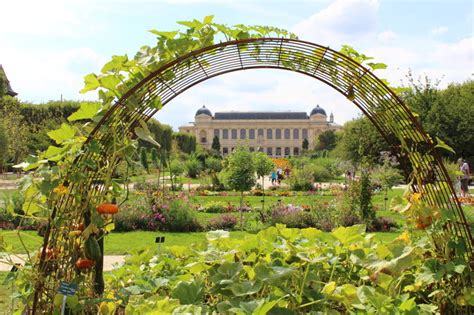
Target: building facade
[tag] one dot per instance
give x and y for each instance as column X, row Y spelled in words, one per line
column 278, row 134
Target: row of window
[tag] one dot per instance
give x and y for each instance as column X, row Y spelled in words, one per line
column 250, row 133
column 269, row 151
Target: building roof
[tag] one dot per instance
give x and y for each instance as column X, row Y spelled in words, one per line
column 259, row 115
column 8, row 88
column 203, row 111
column 318, row 110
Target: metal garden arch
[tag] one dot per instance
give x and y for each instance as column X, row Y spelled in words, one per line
column 381, row 105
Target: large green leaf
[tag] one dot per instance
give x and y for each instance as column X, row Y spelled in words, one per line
column 144, row 133
column 63, row 134
column 350, row 234
column 189, row 292
column 87, row 110
column 90, row 83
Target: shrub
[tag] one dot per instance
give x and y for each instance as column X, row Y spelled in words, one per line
column 176, row 216
column 215, row 207
column 383, row 224
column 193, row 167
column 222, row 222
column 319, row 173
column 291, row 216
column 131, row 218
column 300, row 180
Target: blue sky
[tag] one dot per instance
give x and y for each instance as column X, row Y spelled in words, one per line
column 46, row 47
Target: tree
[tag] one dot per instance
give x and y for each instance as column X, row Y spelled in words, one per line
column 176, row 170
column 216, row 145
column 387, row 175
column 263, row 166
column 193, row 167
column 361, row 140
column 239, row 174
column 154, row 157
column 214, row 166
column 305, row 144
column 326, row 140
column 3, row 145
column 144, row 160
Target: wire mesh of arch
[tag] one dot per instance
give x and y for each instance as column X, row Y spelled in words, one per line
column 381, row 105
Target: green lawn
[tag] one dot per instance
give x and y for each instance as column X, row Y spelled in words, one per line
column 5, row 292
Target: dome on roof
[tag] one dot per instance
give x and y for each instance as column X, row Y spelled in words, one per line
column 203, row 111
column 318, row 110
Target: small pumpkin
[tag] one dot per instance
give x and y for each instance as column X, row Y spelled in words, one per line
column 78, row 226
column 107, row 208
column 82, row 263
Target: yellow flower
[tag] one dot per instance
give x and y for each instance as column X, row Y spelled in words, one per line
column 61, row 190
column 415, row 197
column 405, row 237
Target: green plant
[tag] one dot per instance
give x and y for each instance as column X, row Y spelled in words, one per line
column 239, row 172
column 216, row 145
column 300, row 180
column 193, row 167
column 283, row 270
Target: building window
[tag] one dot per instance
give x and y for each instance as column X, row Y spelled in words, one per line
column 269, row 134
column 252, row 149
column 270, row 151
column 216, row 133
column 260, row 132
column 277, row 133
column 252, row 134
column 296, row 151
column 296, row 133
column 278, row 151
column 225, row 151
column 305, row 133
column 232, row 149
column 225, row 133
column 187, row 130
column 203, row 136
column 287, row 133
column 260, row 149
column 243, row 133
column 287, row 151
column 234, row 133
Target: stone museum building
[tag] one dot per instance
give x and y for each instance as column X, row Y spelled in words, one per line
column 278, row 134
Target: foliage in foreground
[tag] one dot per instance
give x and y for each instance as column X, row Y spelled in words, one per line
column 291, row 271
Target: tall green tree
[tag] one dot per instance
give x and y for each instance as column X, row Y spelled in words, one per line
column 216, row 145
column 3, row 146
column 263, row 167
column 144, row 159
column 447, row 114
column 239, row 174
column 305, row 144
column 361, row 140
column 326, row 140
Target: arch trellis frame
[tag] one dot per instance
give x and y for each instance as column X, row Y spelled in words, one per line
column 372, row 96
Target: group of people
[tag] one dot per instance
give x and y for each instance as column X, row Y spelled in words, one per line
column 464, row 177
column 277, row 175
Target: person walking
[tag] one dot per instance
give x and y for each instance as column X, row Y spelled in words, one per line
column 274, row 177
column 466, row 173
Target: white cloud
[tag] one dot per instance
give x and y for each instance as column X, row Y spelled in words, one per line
column 387, row 36
column 47, row 75
column 340, row 22
column 441, row 30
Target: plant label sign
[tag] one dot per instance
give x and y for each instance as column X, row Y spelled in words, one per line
column 160, row 239
column 67, row 289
